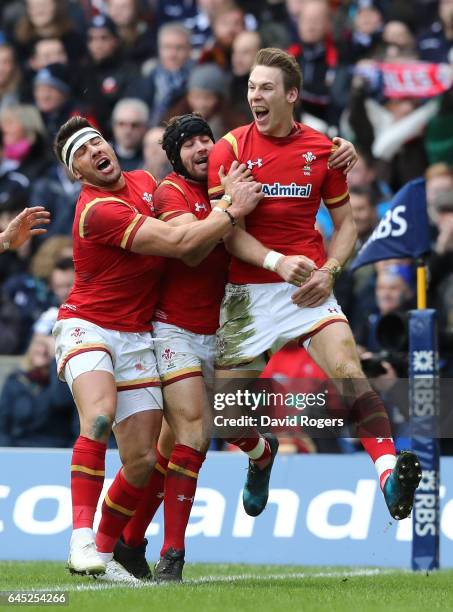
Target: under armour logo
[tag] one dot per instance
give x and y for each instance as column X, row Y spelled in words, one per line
column 199, row 207
column 182, row 498
column 332, row 310
column 258, row 162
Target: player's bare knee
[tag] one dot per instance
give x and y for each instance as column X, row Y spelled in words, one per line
column 138, row 466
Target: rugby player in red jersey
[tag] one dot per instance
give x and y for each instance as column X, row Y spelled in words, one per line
column 186, row 319
column 291, row 161
column 103, row 340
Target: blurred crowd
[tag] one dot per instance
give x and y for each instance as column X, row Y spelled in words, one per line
column 378, row 72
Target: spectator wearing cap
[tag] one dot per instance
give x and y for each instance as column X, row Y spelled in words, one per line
column 137, row 36
column 52, row 94
column 130, row 120
column 166, row 81
column 106, row 76
column 207, row 94
column 435, row 43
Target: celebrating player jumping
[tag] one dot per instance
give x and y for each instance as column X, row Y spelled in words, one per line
column 291, row 161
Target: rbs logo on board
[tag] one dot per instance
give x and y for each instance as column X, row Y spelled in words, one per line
column 392, row 224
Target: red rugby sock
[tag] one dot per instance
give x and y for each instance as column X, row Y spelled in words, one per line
column 180, row 486
column 373, row 428
column 153, row 494
column 118, row 507
column 255, row 446
column 87, row 480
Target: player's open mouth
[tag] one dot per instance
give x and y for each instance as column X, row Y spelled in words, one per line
column 104, row 165
column 260, row 113
column 202, row 160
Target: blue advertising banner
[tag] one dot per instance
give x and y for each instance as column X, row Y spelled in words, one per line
column 323, row 509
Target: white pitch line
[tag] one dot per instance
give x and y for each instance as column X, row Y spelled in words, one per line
column 106, row 586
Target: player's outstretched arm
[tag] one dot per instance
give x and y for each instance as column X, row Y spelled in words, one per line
column 292, row 269
column 23, row 227
column 318, row 288
column 156, row 237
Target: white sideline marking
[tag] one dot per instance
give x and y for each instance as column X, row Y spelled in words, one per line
column 101, row 586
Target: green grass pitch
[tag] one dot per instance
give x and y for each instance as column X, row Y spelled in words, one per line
column 243, row 588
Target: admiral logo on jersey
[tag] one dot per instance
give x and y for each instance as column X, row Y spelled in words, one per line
column 276, row 190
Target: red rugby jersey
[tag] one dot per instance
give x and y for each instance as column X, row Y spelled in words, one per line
column 113, row 287
column 295, row 178
column 190, row 297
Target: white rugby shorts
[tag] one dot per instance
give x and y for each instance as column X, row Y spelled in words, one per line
column 257, row 320
column 181, row 354
column 82, row 346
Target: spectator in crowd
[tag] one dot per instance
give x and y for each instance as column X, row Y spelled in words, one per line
column 36, row 409
column 24, row 138
column 49, row 253
column 366, row 33
column 59, row 193
column 435, row 43
column 318, row 58
column 54, row 98
column 363, row 213
column 44, row 20
column 106, row 76
column 195, row 15
column 154, row 157
column 439, row 180
column 365, row 174
column 30, row 290
column 130, row 120
column 48, row 51
column 10, row 326
column 13, row 262
column 391, row 132
column 245, row 47
column 10, row 77
column 207, row 94
column 227, row 22
column 395, row 292
column 398, row 39
column 137, row 37
column 60, row 283
column 166, row 82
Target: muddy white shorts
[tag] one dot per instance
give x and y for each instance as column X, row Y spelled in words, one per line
column 81, row 346
column 181, row 354
column 256, row 321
